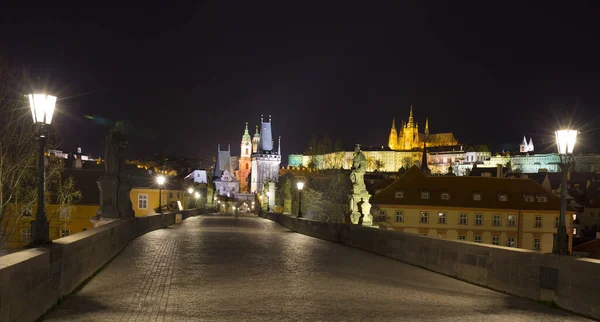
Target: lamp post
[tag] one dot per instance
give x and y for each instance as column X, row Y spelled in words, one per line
column 161, row 181
column 300, row 185
column 565, row 141
column 42, row 108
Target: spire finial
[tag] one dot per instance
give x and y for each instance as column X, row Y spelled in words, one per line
column 261, row 118
column 393, row 123
column 269, row 118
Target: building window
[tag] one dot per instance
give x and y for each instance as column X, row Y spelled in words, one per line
column 445, row 196
column 502, row 197
column 399, row 216
column 496, row 240
column 575, row 216
column 497, row 220
column 538, row 222
column 575, row 231
column 399, row 194
column 246, row 164
column 478, row 219
column 142, row 201
column 512, row 221
column 529, row 198
column 64, row 232
column 462, row 218
column 424, row 217
column 556, row 220
column 462, row 237
column 26, row 235
column 170, row 195
column 424, row 194
column 246, row 153
column 26, row 211
column 477, row 238
column 441, row 218
column 476, row 196
column 536, row 244
column 542, row 199
column 510, row 242
column 177, row 194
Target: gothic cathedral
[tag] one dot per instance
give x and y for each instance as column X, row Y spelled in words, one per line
column 409, row 138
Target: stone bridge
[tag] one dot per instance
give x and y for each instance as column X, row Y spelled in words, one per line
column 224, row 267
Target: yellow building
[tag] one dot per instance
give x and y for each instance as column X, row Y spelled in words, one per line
column 409, row 138
column 498, row 211
column 64, row 221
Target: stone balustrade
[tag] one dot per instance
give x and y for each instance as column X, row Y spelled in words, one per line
column 34, row 280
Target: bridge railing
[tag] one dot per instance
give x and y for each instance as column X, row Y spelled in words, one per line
column 32, row 281
column 570, row 282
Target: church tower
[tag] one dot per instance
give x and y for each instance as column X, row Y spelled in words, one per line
column 244, row 161
column 393, row 141
column 255, row 141
column 265, row 162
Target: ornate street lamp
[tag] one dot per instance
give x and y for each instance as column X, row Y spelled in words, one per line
column 42, row 109
column 565, row 142
column 300, row 185
column 160, row 180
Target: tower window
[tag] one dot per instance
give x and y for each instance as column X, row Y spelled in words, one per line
column 246, row 163
column 246, row 150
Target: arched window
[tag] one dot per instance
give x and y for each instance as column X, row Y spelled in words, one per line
column 246, row 166
column 246, row 153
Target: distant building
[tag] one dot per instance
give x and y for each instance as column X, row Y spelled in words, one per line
column 498, row 211
column 197, row 176
column 526, row 147
column 295, row 160
column 409, row 138
column 266, row 160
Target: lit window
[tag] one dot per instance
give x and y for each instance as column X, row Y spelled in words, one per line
column 502, row 197
column 462, row 218
column 477, row 196
column 399, row 216
column 538, row 222
column 445, row 196
column 246, row 166
column 542, row 199
column 142, row 201
column 424, row 219
column 26, row 235
column 399, row 194
column 477, row 238
column 512, row 221
column 478, row 219
column 497, row 220
column 575, row 216
column 510, row 242
column 64, row 232
column 536, row 244
column 462, row 237
column 442, row 218
column 424, row 194
column 529, row 198
column 574, row 230
column 496, row 240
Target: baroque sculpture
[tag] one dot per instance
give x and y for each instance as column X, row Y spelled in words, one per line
column 359, row 203
column 114, row 185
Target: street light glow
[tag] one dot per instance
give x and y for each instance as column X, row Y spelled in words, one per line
column 565, row 141
column 160, row 180
column 197, row 195
column 300, row 185
column 42, row 107
column 190, row 190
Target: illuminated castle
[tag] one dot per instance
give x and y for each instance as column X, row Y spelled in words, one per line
column 409, row 138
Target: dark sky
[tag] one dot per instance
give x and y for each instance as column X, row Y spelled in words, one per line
column 187, row 75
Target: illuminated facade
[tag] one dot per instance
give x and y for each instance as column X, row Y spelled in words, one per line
column 409, row 138
column 265, row 162
column 246, row 149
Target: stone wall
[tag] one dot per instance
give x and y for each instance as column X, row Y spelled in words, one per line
column 33, row 280
column 571, row 283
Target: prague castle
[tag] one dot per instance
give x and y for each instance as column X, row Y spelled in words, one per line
column 409, row 138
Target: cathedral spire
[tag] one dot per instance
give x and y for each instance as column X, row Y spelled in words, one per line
column 279, row 146
column 393, row 123
column 246, row 136
column 426, row 126
column 393, row 140
column 410, row 118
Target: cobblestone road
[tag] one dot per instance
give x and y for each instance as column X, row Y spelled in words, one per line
column 225, row 268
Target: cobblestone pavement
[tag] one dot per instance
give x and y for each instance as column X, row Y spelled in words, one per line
column 218, row 268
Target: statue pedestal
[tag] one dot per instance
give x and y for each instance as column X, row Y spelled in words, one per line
column 366, row 209
column 108, row 186
column 124, row 204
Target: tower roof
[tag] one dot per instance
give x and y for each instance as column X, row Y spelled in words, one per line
column 256, row 135
column 393, row 124
column 246, row 136
column 266, row 139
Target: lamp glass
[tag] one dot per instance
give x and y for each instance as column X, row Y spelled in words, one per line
column 300, row 185
column 190, row 190
column 42, row 107
column 565, row 141
column 160, row 180
column 197, row 195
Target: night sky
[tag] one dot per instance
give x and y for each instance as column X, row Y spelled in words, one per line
column 187, row 75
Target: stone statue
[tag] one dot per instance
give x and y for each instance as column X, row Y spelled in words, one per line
column 114, row 150
column 360, row 196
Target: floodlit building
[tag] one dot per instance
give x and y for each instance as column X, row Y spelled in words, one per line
column 498, row 211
